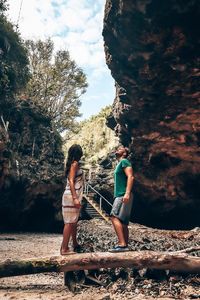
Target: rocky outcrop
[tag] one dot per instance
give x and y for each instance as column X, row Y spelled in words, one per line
column 31, row 170
column 152, row 50
column 102, row 179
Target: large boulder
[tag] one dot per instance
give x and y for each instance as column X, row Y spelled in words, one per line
column 152, row 50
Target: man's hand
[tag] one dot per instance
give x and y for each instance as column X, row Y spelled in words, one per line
column 77, row 203
column 126, row 198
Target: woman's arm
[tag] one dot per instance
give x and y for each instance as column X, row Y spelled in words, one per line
column 71, row 179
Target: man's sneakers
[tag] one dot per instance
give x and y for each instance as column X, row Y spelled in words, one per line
column 119, row 248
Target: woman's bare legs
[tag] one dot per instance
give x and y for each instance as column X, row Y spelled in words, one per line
column 67, row 231
column 74, row 235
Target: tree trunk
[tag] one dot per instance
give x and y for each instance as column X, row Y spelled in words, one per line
column 144, row 259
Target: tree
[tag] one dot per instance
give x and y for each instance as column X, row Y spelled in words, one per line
column 13, row 58
column 3, row 5
column 56, row 83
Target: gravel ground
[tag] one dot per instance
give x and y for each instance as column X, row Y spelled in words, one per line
column 117, row 283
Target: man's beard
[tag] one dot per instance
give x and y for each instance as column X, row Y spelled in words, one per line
column 117, row 155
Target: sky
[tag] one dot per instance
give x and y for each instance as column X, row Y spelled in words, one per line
column 76, row 26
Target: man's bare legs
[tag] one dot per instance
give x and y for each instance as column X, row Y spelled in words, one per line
column 119, row 229
column 126, row 233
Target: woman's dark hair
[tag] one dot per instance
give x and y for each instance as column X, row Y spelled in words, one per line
column 74, row 153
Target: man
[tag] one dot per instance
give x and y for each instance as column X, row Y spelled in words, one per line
column 121, row 210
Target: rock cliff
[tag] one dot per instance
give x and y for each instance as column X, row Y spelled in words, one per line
column 152, row 50
column 31, row 170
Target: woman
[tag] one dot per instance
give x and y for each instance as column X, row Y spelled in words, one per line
column 71, row 200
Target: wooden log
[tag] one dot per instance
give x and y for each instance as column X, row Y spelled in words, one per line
column 85, row 261
column 188, row 250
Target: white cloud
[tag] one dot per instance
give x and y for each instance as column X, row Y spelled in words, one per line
column 74, row 19
column 98, row 73
column 74, row 25
column 92, row 34
column 32, row 22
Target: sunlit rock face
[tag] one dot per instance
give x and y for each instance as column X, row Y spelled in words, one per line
column 31, row 171
column 152, row 49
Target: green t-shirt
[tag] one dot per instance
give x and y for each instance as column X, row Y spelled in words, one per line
column 120, row 177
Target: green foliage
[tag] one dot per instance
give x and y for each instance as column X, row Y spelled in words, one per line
column 13, row 58
column 94, row 136
column 56, row 83
column 3, row 5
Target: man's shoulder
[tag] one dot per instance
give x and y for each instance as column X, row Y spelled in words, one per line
column 125, row 159
column 125, row 162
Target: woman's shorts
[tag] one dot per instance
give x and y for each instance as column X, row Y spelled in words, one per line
column 122, row 210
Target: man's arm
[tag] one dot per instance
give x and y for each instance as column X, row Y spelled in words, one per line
column 130, row 179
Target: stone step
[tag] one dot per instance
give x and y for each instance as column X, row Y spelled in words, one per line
column 92, row 212
column 96, row 207
column 90, row 194
column 93, row 202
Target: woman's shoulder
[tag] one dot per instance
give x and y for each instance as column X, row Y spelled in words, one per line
column 75, row 164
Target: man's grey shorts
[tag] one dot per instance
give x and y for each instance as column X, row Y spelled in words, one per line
column 121, row 210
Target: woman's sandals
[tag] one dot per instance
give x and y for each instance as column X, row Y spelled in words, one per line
column 67, row 252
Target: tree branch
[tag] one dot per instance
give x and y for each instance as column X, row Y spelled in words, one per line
column 187, row 250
